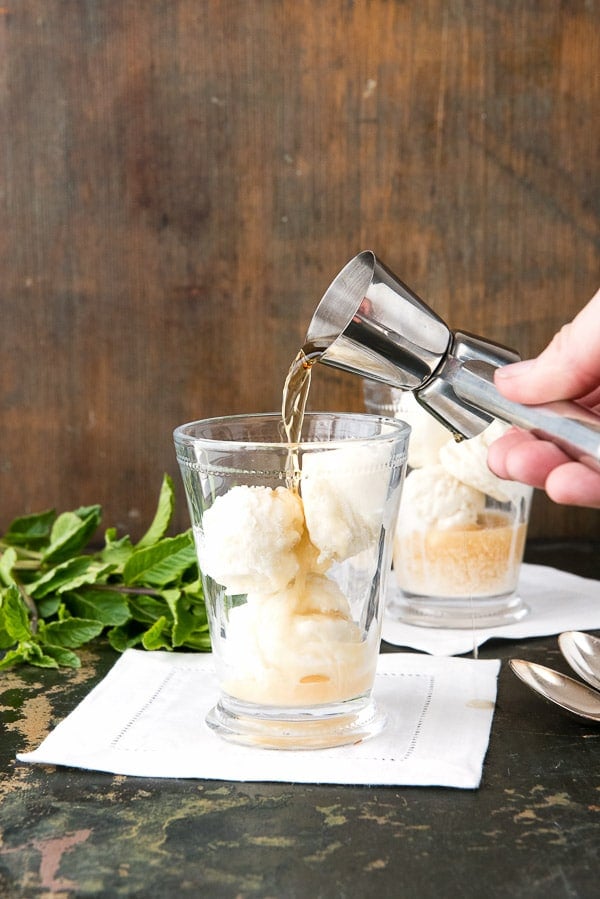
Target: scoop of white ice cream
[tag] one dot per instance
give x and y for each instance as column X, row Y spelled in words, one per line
column 248, row 540
column 427, row 435
column 258, row 631
column 272, row 627
column 321, row 594
column 344, row 492
column 433, row 497
column 467, row 461
column 285, row 657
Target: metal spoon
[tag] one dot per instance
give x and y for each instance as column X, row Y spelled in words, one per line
column 570, row 695
column 582, row 652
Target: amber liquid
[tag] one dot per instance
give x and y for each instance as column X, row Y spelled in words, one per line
column 477, row 561
column 295, row 390
column 293, row 405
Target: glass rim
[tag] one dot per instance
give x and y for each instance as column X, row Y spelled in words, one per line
column 395, row 428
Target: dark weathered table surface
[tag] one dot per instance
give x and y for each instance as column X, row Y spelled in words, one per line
column 532, row 828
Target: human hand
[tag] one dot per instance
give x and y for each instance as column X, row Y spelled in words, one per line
column 569, row 368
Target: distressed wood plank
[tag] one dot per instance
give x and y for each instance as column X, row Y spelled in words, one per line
column 181, row 180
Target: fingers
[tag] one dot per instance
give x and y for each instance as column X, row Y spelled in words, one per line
column 542, row 379
column 499, row 450
column 520, row 456
column 574, row 484
column 569, row 367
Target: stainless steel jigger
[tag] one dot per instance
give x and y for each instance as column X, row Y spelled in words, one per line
column 371, row 324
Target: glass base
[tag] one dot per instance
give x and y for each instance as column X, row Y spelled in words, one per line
column 459, row 612
column 320, row 727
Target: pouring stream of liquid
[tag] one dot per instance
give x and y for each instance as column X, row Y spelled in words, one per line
column 293, row 405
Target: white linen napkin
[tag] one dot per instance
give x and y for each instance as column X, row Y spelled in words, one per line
column 146, row 718
column 557, row 601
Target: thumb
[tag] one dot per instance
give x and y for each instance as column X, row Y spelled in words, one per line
column 569, row 367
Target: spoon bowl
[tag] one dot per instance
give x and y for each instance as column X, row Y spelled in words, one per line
column 582, row 652
column 565, row 692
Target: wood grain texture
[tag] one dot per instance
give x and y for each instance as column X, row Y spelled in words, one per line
column 180, row 181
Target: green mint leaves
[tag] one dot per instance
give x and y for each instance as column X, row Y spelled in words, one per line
column 56, row 594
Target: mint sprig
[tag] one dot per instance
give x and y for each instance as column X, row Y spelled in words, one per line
column 57, row 594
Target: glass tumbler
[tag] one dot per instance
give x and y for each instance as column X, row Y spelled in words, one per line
column 294, row 545
column 460, row 535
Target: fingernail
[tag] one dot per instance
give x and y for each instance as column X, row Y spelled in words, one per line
column 514, row 370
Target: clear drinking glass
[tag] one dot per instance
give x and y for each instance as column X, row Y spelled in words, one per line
column 460, row 535
column 294, row 546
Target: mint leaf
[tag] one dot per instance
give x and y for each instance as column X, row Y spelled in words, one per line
column 116, row 552
column 7, row 561
column 13, row 657
column 108, row 606
column 48, row 606
column 31, row 531
column 6, row 641
column 28, row 651
column 146, row 609
column 15, row 616
column 70, row 633
column 161, row 564
column 36, row 656
column 199, row 640
column 71, row 532
column 163, row 515
column 183, row 620
column 157, row 636
column 69, row 576
column 63, row 657
column 120, row 638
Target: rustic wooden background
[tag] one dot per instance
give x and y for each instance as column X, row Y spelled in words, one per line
column 181, row 179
